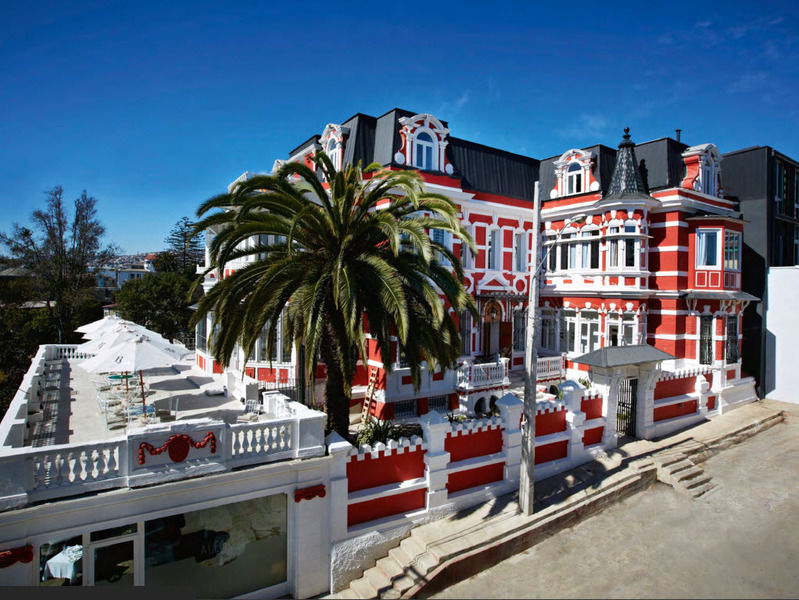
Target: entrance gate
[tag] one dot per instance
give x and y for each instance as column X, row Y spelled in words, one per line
column 625, row 412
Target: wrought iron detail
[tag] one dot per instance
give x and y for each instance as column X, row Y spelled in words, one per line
column 625, row 412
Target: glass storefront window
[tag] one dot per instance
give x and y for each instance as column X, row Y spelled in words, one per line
column 61, row 562
column 223, row 551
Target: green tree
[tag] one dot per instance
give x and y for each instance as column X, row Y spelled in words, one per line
column 187, row 249
column 166, row 262
column 159, row 301
column 332, row 262
column 58, row 251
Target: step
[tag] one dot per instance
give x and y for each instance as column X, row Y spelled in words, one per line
column 401, row 557
column 390, row 567
column 404, row 583
column 667, row 459
column 377, row 579
column 703, row 489
column 425, row 562
column 363, row 588
column 680, row 466
column 413, row 546
column 690, row 484
column 346, row 593
column 687, row 474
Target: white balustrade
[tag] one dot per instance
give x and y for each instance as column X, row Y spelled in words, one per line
column 251, row 442
column 74, row 465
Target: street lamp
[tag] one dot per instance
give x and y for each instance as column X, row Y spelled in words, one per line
column 526, row 495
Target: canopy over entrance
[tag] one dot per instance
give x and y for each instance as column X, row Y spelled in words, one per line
column 619, row 356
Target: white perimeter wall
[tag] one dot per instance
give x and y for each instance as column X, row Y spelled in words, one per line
column 782, row 336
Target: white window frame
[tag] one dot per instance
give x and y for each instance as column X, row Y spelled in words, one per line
column 719, row 248
column 548, row 339
column 493, row 249
column 574, row 179
column 707, row 176
column 420, row 162
column 730, row 235
column 519, row 329
column 520, row 261
column 589, row 338
column 569, row 322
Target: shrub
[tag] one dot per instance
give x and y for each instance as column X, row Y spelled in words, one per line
column 377, row 431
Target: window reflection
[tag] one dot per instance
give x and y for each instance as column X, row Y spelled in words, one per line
column 223, row 551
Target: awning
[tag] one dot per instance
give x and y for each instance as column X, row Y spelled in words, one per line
column 719, row 295
column 618, row 356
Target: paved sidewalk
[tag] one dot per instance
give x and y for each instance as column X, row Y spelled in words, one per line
column 443, row 552
column 737, row 541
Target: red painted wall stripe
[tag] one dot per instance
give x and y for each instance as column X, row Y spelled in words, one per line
column 470, row 445
column 463, row 480
column 361, row 512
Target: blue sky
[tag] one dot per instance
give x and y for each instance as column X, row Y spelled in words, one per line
column 154, row 107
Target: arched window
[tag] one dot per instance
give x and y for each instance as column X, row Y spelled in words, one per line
column 424, row 151
column 574, row 179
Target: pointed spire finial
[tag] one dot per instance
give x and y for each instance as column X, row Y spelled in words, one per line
column 626, row 133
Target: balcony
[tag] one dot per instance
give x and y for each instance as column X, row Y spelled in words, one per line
column 73, row 451
column 481, row 375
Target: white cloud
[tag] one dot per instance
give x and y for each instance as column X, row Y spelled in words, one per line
column 586, row 125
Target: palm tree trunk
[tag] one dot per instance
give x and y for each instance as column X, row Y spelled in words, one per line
column 338, row 404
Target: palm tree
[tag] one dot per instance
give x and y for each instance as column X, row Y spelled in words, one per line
column 343, row 261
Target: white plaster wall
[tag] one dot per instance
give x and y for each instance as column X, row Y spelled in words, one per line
column 782, row 320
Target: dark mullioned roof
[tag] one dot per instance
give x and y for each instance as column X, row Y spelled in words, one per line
column 618, row 356
column 480, row 168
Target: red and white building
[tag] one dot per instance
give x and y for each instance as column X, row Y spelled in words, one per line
column 653, row 264
column 640, row 299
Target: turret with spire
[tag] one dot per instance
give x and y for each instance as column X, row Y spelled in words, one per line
column 626, row 183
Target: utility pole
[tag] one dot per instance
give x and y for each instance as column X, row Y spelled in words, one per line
column 526, row 477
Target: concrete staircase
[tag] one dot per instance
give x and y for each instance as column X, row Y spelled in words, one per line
column 684, row 475
column 467, row 542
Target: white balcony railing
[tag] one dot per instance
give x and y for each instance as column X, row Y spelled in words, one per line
column 484, row 374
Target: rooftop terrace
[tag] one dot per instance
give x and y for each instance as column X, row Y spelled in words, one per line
column 59, row 438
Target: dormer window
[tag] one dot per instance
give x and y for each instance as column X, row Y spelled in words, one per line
column 703, row 170
column 573, row 174
column 424, row 143
column 574, row 179
column 332, row 141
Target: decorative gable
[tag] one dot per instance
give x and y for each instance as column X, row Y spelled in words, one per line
column 332, row 142
column 703, row 170
column 573, row 174
column 424, row 143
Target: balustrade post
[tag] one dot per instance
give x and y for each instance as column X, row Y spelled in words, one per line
column 435, row 428
column 510, row 410
column 339, row 449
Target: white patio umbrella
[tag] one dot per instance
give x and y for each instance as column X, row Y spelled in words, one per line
column 136, row 354
column 89, row 328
